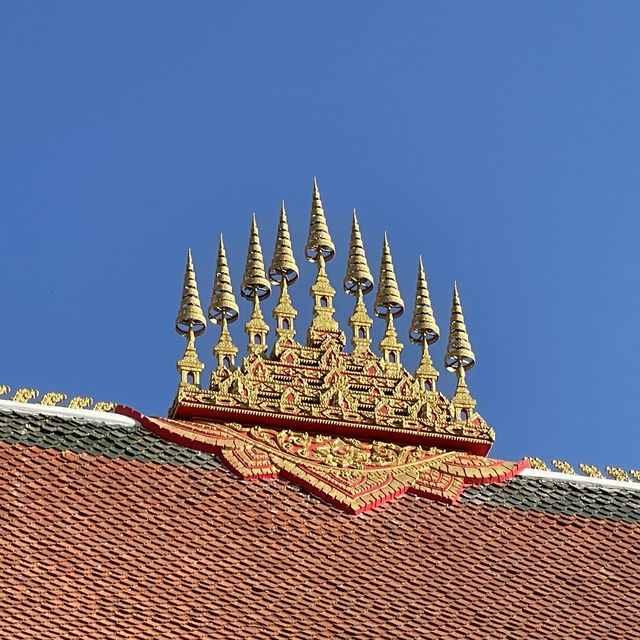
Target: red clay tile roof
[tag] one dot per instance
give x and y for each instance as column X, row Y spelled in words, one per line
column 95, row 547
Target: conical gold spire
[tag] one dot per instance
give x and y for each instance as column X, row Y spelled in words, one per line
column 319, row 240
column 388, row 299
column 191, row 323
column 358, row 274
column 223, row 303
column 423, row 323
column 255, row 280
column 190, row 316
column 283, row 264
column 459, row 353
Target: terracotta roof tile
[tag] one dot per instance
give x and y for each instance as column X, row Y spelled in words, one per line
column 96, row 547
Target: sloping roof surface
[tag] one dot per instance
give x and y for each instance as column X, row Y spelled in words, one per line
column 108, row 532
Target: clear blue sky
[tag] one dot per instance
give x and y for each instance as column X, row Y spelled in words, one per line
column 499, row 139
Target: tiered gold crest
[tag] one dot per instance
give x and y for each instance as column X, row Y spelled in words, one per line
column 345, row 397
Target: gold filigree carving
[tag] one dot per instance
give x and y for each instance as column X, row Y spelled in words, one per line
column 537, row 463
column 563, row 467
column 590, row 470
column 618, row 474
column 24, row 395
column 52, row 398
column 80, row 402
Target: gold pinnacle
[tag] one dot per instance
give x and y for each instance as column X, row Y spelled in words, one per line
column 283, row 264
column 254, row 282
column 319, row 241
column 459, row 354
column 423, row 323
column 223, row 303
column 388, row 299
column 190, row 316
column 358, row 276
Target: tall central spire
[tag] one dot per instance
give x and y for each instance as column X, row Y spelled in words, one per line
column 320, row 249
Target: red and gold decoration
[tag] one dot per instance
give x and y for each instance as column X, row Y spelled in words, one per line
column 351, row 426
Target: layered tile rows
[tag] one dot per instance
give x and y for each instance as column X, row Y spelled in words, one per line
column 97, row 547
column 138, row 444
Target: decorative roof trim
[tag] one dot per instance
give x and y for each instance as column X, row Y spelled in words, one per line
column 103, row 417
column 556, row 476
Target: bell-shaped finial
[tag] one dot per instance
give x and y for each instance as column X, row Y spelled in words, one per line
column 423, row 323
column 223, row 303
column 254, row 282
column 283, row 264
column 388, row 299
column 358, row 276
column 190, row 316
column 319, row 241
column 459, row 353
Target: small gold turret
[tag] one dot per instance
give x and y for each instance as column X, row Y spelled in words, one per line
column 459, row 358
column 190, row 323
column 389, row 305
column 255, row 287
column 358, row 281
column 283, row 271
column 223, row 309
column 320, row 249
column 424, row 331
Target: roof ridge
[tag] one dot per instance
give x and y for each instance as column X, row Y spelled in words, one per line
column 558, row 476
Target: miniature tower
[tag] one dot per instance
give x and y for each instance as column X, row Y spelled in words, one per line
column 357, row 282
column 459, row 358
column 389, row 305
column 284, row 272
column 320, row 249
column 190, row 323
column 255, row 287
column 222, row 310
column 424, row 331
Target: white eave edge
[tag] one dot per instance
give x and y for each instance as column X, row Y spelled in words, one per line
column 103, row 417
column 556, row 476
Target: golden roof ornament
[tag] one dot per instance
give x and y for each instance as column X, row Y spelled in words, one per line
column 223, row 309
column 388, row 299
column 319, row 242
column 358, row 281
column 424, row 331
column 254, row 281
column 255, row 287
column 320, row 387
column 223, row 304
column 389, row 304
column 358, row 275
column 190, row 316
column 190, row 323
column 283, row 264
column 283, row 271
column 459, row 358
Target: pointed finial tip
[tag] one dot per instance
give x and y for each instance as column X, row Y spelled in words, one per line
column 253, row 218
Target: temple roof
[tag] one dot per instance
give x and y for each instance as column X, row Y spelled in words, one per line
column 109, row 530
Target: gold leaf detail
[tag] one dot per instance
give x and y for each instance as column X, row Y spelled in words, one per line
column 563, row 467
column 80, row 402
column 104, row 406
column 536, row 463
column 24, row 395
column 590, row 470
column 52, row 398
column 618, row 474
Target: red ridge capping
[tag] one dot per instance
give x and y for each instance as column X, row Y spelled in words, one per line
column 257, row 453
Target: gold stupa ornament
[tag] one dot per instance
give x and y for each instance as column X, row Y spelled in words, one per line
column 351, row 425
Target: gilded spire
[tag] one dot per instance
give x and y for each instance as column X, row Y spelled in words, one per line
column 283, row 264
column 223, row 303
column 254, row 282
column 358, row 276
column 423, row 323
column 319, row 241
column 459, row 353
column 191, row 323
column 388, row 299
column 190, row 316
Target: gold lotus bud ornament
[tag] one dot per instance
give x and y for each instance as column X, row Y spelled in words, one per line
column 319, row 242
